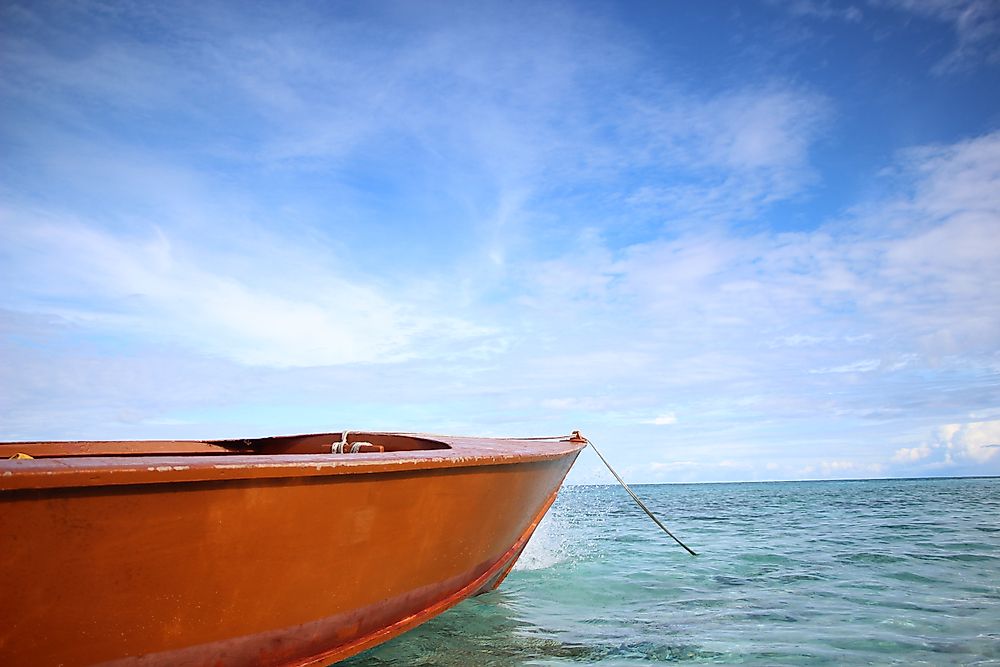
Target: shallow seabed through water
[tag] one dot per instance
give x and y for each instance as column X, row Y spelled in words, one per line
column 871, row 572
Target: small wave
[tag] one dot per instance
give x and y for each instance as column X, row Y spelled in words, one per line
column 727, row 580
column 766, row 559
column 966, row 558
column 797, row 577
column 906, row 575
column 869, row 557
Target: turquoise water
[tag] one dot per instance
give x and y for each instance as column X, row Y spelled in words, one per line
column 803, row 573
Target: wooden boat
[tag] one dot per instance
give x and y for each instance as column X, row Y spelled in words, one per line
column 270, row 551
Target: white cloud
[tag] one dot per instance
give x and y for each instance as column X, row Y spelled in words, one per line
column 975, row 441
column 801, row 340
column 669, row 466
column 665, row 419
column 863, row 366
column 966, row 443
column 911, row 454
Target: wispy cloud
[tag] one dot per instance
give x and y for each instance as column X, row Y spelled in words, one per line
column 976, row 24
column 822, row 9
column 727, row 158
column 666, row 419
column 269, row 303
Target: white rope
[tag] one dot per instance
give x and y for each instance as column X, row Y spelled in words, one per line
column 344, row 447
column 338, row 447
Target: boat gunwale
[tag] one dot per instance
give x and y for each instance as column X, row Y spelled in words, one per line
column 95, row 471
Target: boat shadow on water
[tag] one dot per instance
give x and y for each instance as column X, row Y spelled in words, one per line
column 495, row 629
column 492, row 630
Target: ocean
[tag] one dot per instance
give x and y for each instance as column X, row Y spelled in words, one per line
column 874, row 572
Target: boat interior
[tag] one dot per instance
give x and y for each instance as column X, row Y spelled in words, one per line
column 346, row 443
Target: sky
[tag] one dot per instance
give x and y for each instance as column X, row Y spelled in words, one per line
column 725, row 240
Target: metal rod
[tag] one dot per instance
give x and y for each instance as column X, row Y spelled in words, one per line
column 639, row 502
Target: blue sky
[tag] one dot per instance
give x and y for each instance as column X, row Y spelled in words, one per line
column 728, row 241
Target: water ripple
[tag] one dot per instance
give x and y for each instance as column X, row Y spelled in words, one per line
column 900, row 572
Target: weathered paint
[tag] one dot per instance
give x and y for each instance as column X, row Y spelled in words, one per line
column 286, row 559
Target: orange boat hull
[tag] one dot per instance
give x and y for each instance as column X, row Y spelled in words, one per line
column 249, row 558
